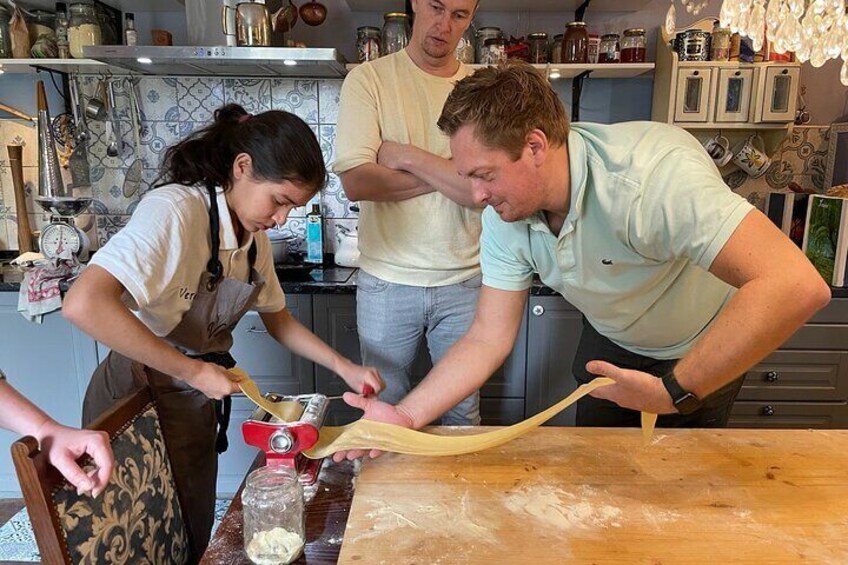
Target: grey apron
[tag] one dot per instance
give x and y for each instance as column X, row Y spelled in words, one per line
column 194, row 426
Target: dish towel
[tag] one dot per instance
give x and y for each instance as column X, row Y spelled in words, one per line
column 40, row 292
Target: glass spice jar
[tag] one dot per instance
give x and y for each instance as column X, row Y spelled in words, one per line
column 466, row 48
column 83, row 27
column 367, row 43
column 634, row 46
column 556, row 49
column 274, row 528
column 538, row 43
column 494, row 51
column 483, row 34
column 575, row 43
column 594, row 47
column 720, row 44
column 395, row 34
column 609, row 51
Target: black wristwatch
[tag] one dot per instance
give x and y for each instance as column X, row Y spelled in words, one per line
column 685, row 401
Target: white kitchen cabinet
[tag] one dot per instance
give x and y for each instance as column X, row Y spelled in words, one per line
column 723, row 94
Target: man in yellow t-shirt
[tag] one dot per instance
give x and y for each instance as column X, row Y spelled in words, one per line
column 418, row 227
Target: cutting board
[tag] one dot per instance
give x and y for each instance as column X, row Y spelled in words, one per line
column 597, row 495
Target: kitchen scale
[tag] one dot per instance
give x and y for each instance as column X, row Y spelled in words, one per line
column 61, row 236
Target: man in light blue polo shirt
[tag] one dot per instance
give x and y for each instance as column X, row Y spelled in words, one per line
column 677, row 276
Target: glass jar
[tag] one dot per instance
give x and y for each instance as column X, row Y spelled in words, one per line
column 634, row 46
column 395, row 34
column 274, row 528
column 367, row 43
column 594, row 47
column 720, row 44
column 609, row 51
column 41, row 23
column 5, row 33
column 494, row 51
column 83, row 27
column 483, row 34
column 538, row 43
column 466, row 49
column 575, row 43
column 556, row 49
column 62, row 30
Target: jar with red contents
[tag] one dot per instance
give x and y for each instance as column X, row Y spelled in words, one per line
column 634, row 46
column 610, row 51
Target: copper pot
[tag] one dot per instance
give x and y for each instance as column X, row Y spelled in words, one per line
column 313, row 13
column 283, row 20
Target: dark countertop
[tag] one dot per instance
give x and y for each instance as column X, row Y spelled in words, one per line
column 330, row 279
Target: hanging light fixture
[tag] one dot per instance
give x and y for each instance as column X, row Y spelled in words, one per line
column 815, row 30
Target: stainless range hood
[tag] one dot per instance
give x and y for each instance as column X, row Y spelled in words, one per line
column 222, row 61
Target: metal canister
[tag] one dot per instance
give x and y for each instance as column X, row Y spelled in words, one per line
column 483, row 34
column 367, row 43
column 693, row 45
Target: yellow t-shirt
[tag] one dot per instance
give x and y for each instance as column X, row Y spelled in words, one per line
column 428, row 240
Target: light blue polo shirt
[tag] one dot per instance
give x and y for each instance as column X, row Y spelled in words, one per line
column 649, row 214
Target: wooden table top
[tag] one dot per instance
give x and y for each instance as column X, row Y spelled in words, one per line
column 599, row 495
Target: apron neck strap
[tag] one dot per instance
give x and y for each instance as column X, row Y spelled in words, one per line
column 214, row 266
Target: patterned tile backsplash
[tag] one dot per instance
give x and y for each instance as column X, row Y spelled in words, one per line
column 173, row 107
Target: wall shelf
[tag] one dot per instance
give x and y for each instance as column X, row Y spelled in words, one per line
column 568, row 71
column 513, row 6
column 30, row 66
column 122, row 5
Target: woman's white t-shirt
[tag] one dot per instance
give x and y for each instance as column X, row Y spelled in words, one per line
column 162, row 252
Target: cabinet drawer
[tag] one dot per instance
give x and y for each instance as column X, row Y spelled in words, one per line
column 733, row 103
column 818, row 336
column 747, row 414
column 693, row 100
column 798, row 376
column 501, row 411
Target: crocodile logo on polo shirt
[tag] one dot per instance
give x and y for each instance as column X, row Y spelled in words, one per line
column 606, row 261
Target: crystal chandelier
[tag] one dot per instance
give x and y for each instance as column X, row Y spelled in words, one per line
column 815, row 30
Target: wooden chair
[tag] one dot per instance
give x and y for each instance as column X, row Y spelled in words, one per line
column 136, row 519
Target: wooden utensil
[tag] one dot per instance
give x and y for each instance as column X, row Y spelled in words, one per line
column 25, row 242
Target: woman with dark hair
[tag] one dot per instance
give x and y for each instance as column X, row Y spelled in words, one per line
column 166, row 291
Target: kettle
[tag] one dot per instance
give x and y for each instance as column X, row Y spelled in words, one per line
column 252, row 24
column 347, row 253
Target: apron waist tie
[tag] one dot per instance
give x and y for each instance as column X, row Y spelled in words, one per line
column 223, row 408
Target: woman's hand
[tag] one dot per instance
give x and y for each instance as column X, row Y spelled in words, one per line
column 358, row 378
column 214, row 381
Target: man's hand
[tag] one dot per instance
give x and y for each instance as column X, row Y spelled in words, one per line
column 214, row 381
column 64, row 446
column 379, row 412
column 632, row 389
column 395, row 155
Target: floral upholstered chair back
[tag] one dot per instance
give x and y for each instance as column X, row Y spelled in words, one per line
column 136, row 519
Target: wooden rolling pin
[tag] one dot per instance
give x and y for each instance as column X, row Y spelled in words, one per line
column 17, row 166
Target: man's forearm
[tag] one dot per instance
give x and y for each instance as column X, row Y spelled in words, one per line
column 440, row 173
column 377, row 183
column 463, row 369
column 757, row 320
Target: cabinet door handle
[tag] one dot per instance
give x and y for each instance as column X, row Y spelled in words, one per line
column 738, row 73
column 772, row 376
column 538, row 310
column 349, row 329
column 696, row 73
column 768, row 410
column 255, row 330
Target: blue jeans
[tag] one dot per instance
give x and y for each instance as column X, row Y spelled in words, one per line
column 393, row 318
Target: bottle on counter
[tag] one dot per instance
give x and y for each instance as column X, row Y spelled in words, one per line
column 130, row 34
column 314, row 236
column 62, row 30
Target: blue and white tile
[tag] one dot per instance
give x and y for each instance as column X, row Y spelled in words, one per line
column 109, row 225
column 329, row 92
column 157, row 137
column 97, row 147
column 158, row 99
column 17, row 132
column 327, row 139
column 334, row 202
column 198, row 98
column 295, row 227
column 108, row 191
column 300, row 97
column 254, row 95
column 331, row 232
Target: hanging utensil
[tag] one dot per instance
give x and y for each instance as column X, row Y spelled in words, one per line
column 49, row 176
column 133, row 178
column 78, row 161
column 313, row 13
column 115, row 146
column 283, row 20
